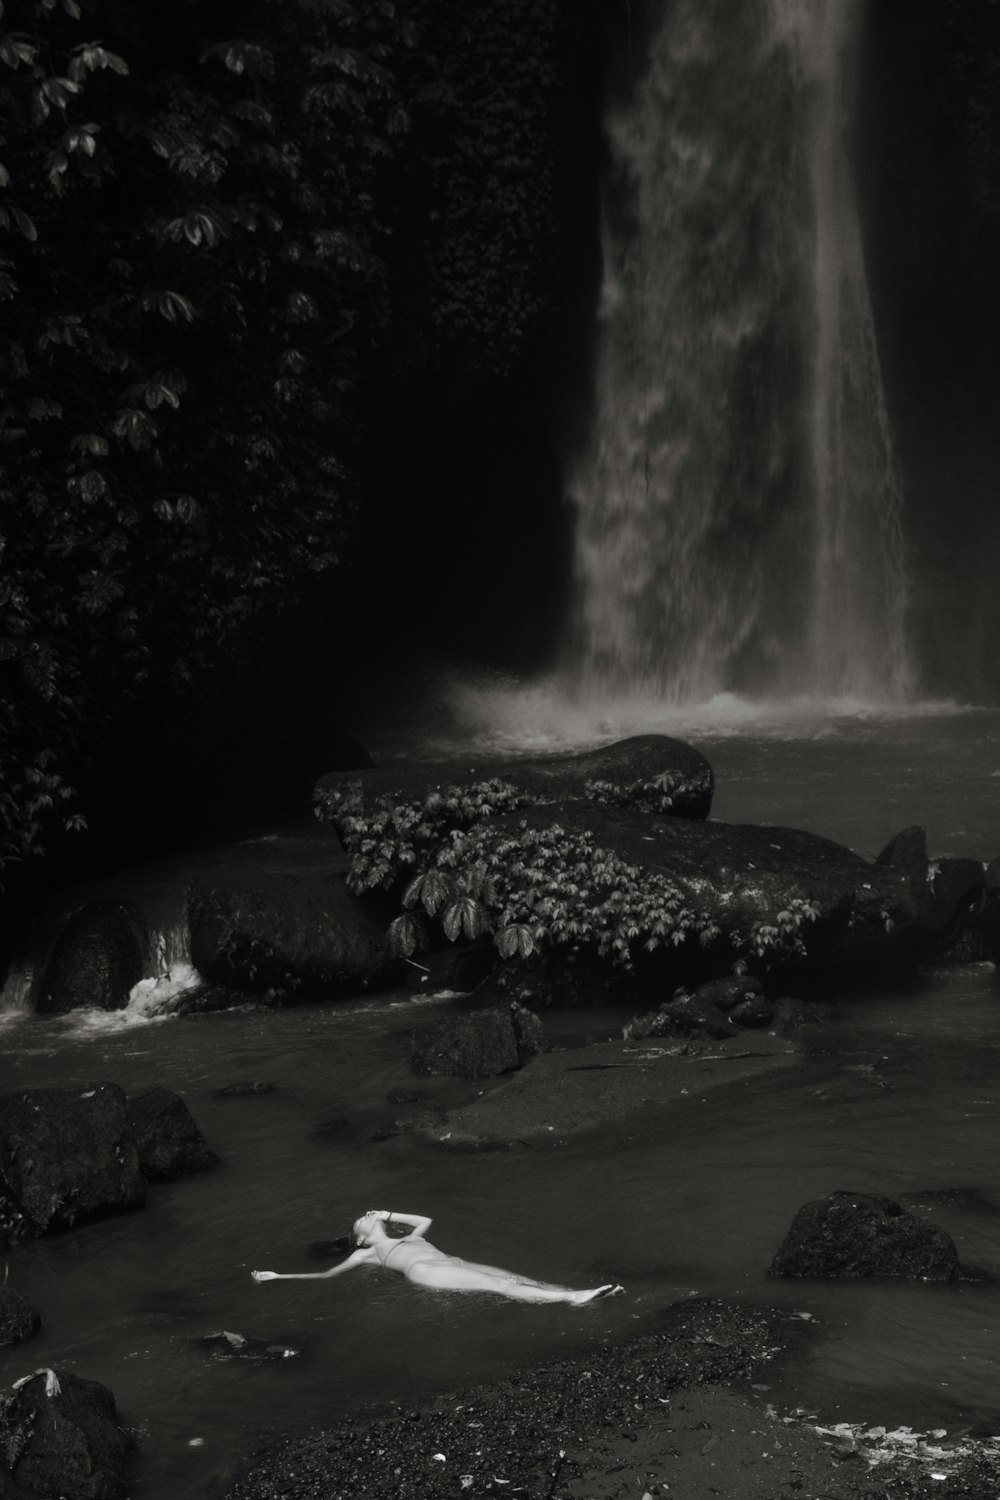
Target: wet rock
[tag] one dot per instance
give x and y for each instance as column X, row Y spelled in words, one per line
column 754, row 1011
column 227, row 1346
column 168, row 1141
column 66, row 1156
column 18, row 1319
column 729, row 992
column 864, row 1234
column 790, row 1013
column 792, row 906
column 67, row 1445
column 662, row 775
column 684, row 1016
column 458, row 969
column 480, row 1044
column 301, row 934
column 529, row 1033
column 96, row 959
column 907, row 852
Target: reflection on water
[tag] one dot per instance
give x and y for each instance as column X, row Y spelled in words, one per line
column 694, row 1200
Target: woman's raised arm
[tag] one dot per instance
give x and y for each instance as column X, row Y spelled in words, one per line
column 420, row 1222
column 354, row 1259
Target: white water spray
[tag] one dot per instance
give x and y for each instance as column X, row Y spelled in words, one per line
column 738, row 511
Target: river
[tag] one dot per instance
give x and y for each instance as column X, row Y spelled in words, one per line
column 897, row 1094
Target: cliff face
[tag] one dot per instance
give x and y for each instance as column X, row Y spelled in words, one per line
column 928, row 158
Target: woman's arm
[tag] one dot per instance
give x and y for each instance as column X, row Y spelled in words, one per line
column 420, row 1222
column 354, row 1259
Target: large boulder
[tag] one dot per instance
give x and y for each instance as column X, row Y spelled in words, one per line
column 294, row 933
column 66, row 1156
column 864, row 1234
column 60, row 1439
column 660, row 774
column 779, row 900
column 168, row 1141
column 96, row 959
column 479, row 1044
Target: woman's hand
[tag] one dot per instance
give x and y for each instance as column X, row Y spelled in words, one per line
column 264, row 1275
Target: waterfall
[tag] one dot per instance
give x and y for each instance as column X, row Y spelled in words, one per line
column 738, row 508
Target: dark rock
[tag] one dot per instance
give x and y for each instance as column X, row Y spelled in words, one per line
column 790, row 1013
column 529, row 1033
column 65, row 1446
column 684, row 1016
column 301, row 934
column 18, row 1319
column 984, row 919
column 785, row 902
column 458, row 969
column 96, row 959
column 66, row 1156
column 726, row 993
column 480, row 1044
column 520, row 981
column 864, row 1234
column 907, row 852
column 168, row 1141
column 236, row 1346
column 755, row 1010
column 658, row 773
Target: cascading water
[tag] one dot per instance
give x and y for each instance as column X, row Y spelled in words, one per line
column 738, row 511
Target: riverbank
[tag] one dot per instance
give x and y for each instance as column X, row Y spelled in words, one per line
column 681, row 1411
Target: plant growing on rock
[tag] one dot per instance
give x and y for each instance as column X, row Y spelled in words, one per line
column 534, row 889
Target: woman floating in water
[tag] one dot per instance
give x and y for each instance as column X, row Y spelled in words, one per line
column 422, row 1263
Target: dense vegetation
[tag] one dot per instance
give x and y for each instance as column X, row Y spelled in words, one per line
column 216, row 233
column 455, row 872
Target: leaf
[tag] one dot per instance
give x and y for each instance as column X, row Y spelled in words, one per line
column 24, row 223
column 403, row 935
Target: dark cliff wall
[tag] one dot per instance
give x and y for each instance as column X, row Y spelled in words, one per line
column 928, row 155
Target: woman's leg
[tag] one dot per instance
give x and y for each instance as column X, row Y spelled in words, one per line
column 454, row 1275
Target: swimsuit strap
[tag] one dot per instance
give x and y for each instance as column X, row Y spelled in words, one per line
column 395, row 1247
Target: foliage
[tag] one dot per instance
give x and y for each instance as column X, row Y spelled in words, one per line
column 191, row 268
column 483, row 153
column 528, row 888
column 655, row 796
column 397, row 835
column 536, row 887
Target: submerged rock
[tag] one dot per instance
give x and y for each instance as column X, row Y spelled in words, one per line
column 660, row 774
column 479, row 1044
column 60, row 1438
column 66, row 1156
column 168, row 1141
column 18, row 1319
column 864, row 1234
column 96, row 959
column 300, row 934
column 225, row 1345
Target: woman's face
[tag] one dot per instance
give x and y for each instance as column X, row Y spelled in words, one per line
column 364, row 1226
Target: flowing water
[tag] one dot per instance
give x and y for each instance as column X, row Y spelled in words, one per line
column 897, row 1094
column 737, row 506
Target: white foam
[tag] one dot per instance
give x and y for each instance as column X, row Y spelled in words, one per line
column 150, row 1001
